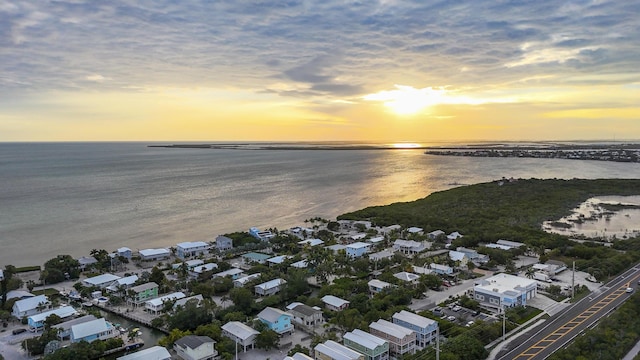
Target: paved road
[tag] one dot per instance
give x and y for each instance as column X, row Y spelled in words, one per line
column 563, row 329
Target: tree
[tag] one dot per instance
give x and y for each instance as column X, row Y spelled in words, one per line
column 243, row 299
column 189, row 317
column 298, row 349
column 57, row 269
column 174, row 335
column 267, row 339
column 466, row 347
column 157, row 276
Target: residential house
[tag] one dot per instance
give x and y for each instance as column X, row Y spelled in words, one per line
column 498, row 246
column 18, row 294
column 122, row 284
column 425, row 329
column 141, row 293
column 240, row 333
column 64, row 328
column 391, row 228
column 98, row 329
column 415, row 230
column 310, row 242
column 298, row 356
column 157, row 305
column 252, row 258
column 376, row 286
column 510, row 244
column 441, row 269
column 376, row 240
column 336, row 248
column 357, row 249
column 261, row 235
column 421, row 270
column 270, row 287
column 36, row 321
column 233, row 273
column 192, row 347
column 453, row 236
column 242, row 281
column 189, row 264
column 401, row 339
column 459, row 257
column 154, row 254
column 371, row 346
column 474, row 256
column 434, row 235
column 30, row 306
column 305, row 315
column 302, row 264
column 192, row 249
column 277, row 260
column 408, row 247
column 504, row 290
column 200, row 270
column 407, row 277
column 276, row 320
column 224, row 243
column 331, row 350
column 357, row 237
column 124, row 252
column 100, row 281
column 86, row 262
column 334, row 303
column 384, row 254
column 152, row 353
column 181, row 303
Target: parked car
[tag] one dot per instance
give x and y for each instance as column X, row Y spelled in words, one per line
column 451, row 318
column 18, row 331
column 456, row 308
column 469, row 323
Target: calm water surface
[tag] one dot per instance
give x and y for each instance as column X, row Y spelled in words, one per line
column 69, row 198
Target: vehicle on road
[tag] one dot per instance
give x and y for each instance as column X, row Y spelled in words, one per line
column 629, row 290
column 18, row 331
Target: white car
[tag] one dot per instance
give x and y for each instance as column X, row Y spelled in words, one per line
column 456, row 308
column 629, row 290
column 451, row 318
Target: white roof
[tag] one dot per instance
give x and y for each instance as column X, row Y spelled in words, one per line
column 123, row 249
column 456, row 255
column 376, row 239
column 245, row 279
column 160, row 300
column 311, row 242
column 278, row 259
column 230, row 272
column 511, row 244
column 62, row 312
column 184, row 301
column 390, row 328
column 192, row 244
column 90, row 328
column 205, row 267
column 152, row 252
column 298, row 356
column 102, row 279
column 334, row 300
column 239, row 330
column 414, row 229
column 337, row 351
column 271, row 284
column 406, row 276
column 335, row 247
column 271, row 314
column 407, row 243
column 300, row 264
column 502, row 283
column 378, row 283
column 20, row 294
column 152, row 353
column 358, row 245
column 68, row 324
column 436, row 233
column 194, row 262
column 125, row 281
column 498, row 246
column 415, row 319
column 364, row 338
column 30, row 303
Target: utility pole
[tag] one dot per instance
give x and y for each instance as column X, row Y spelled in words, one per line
column 573, row 280
column 504, row 323
column 438, row 343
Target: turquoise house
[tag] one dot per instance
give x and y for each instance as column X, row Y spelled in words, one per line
column 276, row 320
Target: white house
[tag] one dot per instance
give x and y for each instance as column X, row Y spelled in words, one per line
column 408, row 247
column 124, row 252
column 86, row 262
column 156, row 305
column 98, row 329
column 458, row 256
column 242, row 281
column 189, row 264
column 376, row 240
column 233, row 273
column 376, row 286
column 441, row 269
column 36, row 321
column 434, row 235
column 407, row 277
column 336, row 248
column 240, row 333
column 331, row 350
column 310, row 242
column 154, row 254
column 261, row 235
column 454, row 236
column 510, row 244
column 298, row 356
column 384, row 254
column 199, row 270
column 414, row 230
column 302, row 264
column 101, row 281
column 192, row 347
column 504, row 290
column 270, row 287
column 277, row 260
column 334, row 303
column 425, row 329
column 192, row 248
column 197, row 299
column 357, row 249
column 224, row 243
column 152, row 353
column 30, row 306
column 122, row 283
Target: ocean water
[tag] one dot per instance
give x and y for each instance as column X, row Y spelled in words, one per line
column 69, row 198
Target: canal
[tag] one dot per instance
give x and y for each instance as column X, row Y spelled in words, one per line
column 149, row 335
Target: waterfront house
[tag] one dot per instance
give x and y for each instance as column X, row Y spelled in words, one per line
column 64, row 328
column 86, row 262
column 408, row 247
column 310, row 242
column 504, row 290
column 435, row 235
column 270, row 287
column 141, row 293
column 191, row 249
column 331, row 350
column 276, row 320
column 407, row 277
column 255, row 258
column 261, row 235
column 224, row 243
column 125, row 252
column 189, row 264
column 192, row 347
column 305, row 315
column 233, row 273
column 98, row 329
column 441, row 269
column 36, row 321
column 100, row 281
column 371, row 346
column 154, row 254
column 401, row 339
column 152, row 353
column 19, row 294
column 240, row 333
column 357, row 249
column 334, row 303
column 242, row 281
column 157, row 305
column 195, row 299
column 30, row 306
column 424, row 328
column 122, row 284
column 298, row 356
column 377, row 286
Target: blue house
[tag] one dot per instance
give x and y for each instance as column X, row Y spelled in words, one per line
column 36, row 321
column 357, row 249
column 425, row 329
column 98, row 329
column 277, row 320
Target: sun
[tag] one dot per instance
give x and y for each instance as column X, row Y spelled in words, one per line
column 407, row 100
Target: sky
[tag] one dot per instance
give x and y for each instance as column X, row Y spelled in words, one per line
column 289, row 70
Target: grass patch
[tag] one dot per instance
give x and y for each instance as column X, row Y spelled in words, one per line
column 47, row 292
column 27, row 269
